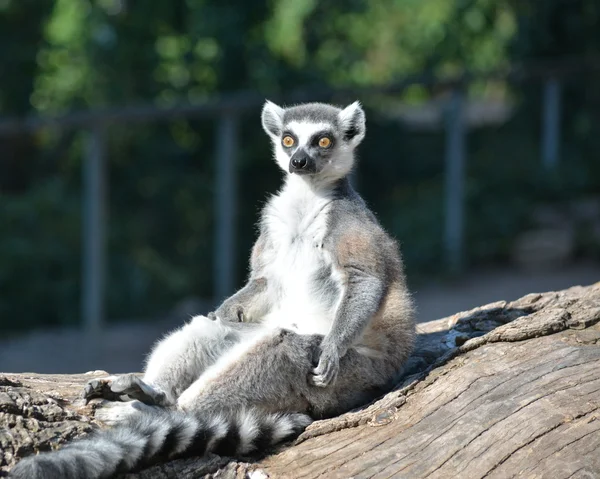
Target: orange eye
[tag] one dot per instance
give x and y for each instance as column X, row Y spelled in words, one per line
column 288, row 141
column 324, row 142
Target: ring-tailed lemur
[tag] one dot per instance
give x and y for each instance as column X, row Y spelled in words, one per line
column 322, row 326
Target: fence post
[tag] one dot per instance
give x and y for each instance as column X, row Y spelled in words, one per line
column 225, row 205
column 454, row 182
column 551, row 124
column 94, row 230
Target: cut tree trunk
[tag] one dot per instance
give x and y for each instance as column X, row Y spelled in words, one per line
column 508, row 389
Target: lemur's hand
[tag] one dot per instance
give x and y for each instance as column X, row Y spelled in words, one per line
column 230, row 312
column 329, row 365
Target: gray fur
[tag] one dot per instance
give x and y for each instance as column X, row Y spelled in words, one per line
column 323, row 325
column 314, row 113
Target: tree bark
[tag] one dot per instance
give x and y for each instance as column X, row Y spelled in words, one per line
column 508, row 389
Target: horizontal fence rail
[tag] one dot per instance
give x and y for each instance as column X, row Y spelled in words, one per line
column 242, row 101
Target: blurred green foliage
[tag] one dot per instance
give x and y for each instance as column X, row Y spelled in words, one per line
column 62, row 55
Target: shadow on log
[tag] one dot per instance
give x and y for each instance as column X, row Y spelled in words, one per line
column 508, row 389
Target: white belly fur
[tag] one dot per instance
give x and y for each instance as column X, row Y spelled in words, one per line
column 299, row 306
column 297, row 223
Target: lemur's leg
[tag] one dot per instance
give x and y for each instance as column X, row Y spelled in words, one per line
column 270, row 371
column 273, row 374
column 363, row 376
column 180, row 359
column 175, row 362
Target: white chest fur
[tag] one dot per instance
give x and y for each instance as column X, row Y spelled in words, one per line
column 296, row 221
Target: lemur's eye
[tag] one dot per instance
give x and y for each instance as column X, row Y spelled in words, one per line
column 288, row 141
column 324, row 142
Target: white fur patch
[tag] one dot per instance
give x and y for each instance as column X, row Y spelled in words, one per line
column 354, row 113
column 219, row 426
column 272, row 117
column 305, row 130
column 283, row 428
column 349, row 112
column 158, row 436
column 284, row 424
column 296, row 221
column 131, row 438
column 208, row 326
column 186, row 435
column 112, row 413
column 248, row 431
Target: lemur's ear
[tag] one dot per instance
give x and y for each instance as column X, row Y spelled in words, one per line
column 353, row 123
column 272, row 119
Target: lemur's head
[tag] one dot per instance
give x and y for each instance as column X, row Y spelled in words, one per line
column 314, row 139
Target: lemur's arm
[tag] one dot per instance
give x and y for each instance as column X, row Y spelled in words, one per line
column 251, row 303
column 364, row 291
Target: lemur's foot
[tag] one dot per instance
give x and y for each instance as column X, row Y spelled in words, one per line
column 100, row 388
column 124, row 388
column 135, row 388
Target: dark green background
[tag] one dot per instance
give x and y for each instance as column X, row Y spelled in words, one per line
column 70, row 55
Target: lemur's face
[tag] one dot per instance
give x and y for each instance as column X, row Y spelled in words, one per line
column 315, row 139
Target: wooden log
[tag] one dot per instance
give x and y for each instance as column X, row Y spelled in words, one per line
column 510, row 389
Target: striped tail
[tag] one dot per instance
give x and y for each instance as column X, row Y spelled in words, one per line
column 145, row 439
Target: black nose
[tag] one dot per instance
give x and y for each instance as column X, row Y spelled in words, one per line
column 299, row 163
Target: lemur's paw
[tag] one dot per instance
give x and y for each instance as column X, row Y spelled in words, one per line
column 123, row 388
column 328, row 368
column 229, row 312
column 100, row 388
column 133, row 387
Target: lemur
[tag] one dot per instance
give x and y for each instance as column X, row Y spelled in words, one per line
column 322, row 326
